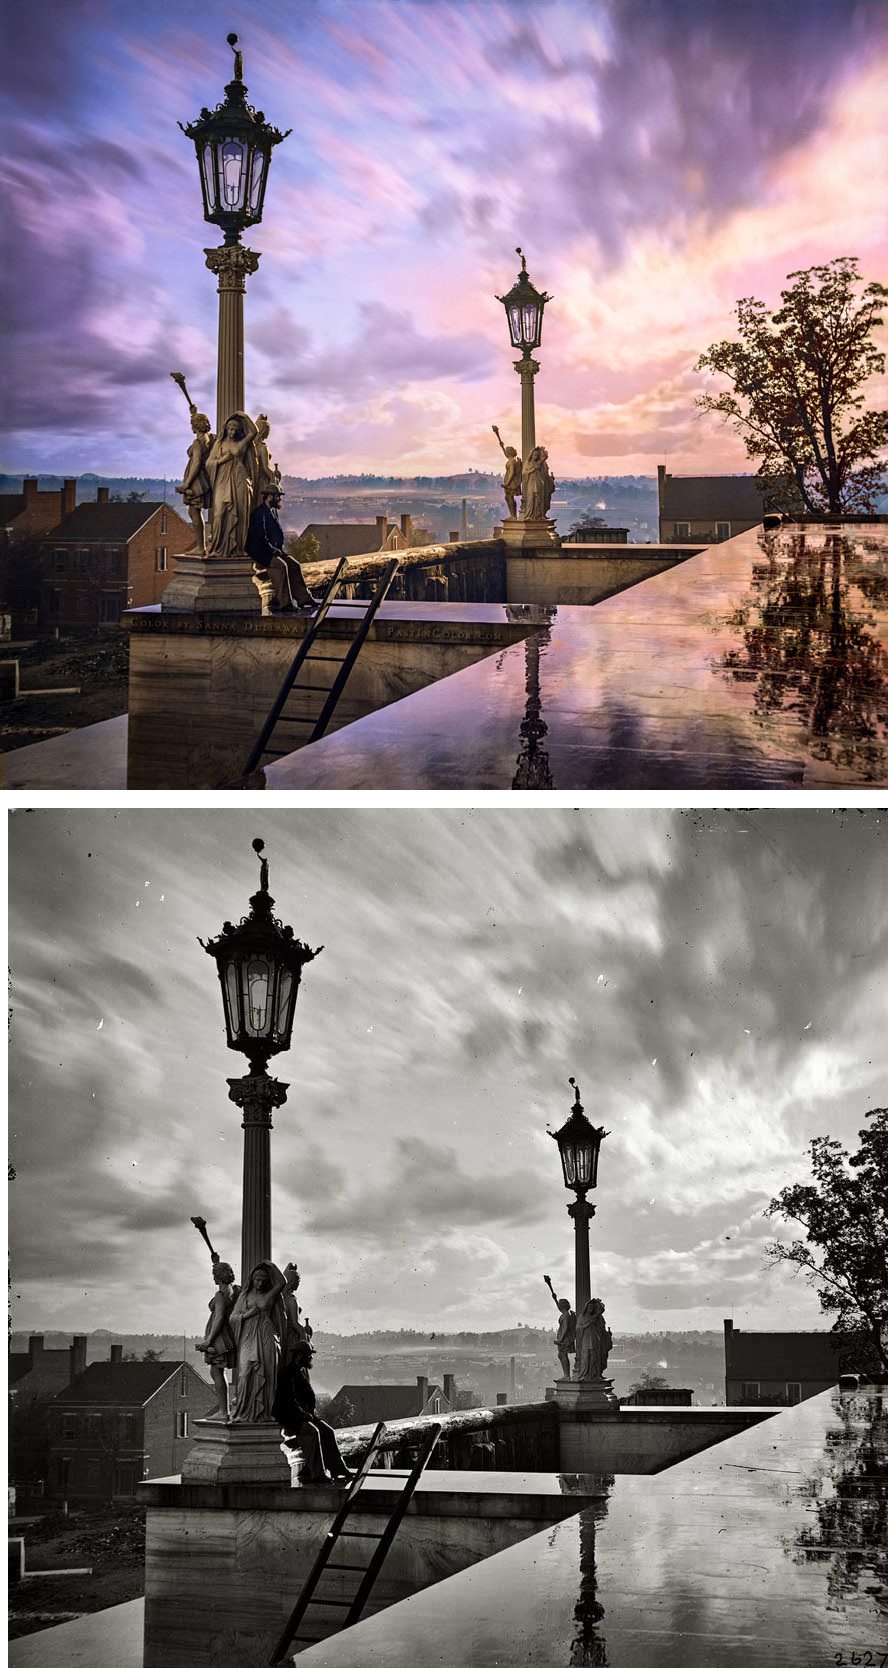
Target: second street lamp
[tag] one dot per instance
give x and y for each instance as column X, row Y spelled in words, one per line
column 260, row 964
column 579, row 1144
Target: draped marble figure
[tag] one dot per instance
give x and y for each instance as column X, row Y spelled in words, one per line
column 258, row 1322
column 231, row 468
column 594, row 1341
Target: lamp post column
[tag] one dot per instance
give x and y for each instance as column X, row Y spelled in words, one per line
column 257, row 1095
column 582, row 1213
column 231, row 264
column 527, row 369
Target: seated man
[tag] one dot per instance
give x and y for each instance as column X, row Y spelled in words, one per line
column 265, row 548
column 321, row 1460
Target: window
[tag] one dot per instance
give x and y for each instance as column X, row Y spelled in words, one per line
column 94, row 1427
column 793, row 1394
column 750, row 1390
column 55, row 603
column 163, row 522
column 60, row 561
column 181, row 1422
column 723, row 529
column 111, row 564
column 127, row 1429
column 682, row 529
column 109, row 610
column 83, row 561
column 160, row 559
column 68, row 1430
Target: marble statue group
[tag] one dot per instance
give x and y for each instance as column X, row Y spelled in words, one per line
column 531, row 480
column 585, row 1336
column 232, row 478
column 258, row 1334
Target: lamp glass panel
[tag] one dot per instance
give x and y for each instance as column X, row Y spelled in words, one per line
column 584, row 1163
column 232, row 174
column 209, row 177
column 282, row 1005
column 232, row 1006
column 256, row 176
column 258, row 973
column 568, row 1164
column 530, row 324
column 515, row 325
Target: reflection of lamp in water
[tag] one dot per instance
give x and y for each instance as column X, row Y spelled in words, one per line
column 588, row 1649
column 260, row 964
column 532, row 765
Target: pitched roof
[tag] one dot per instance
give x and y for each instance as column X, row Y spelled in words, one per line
column 378, row 1401
column 788, row 1355
column 724, row 497
column 118, row 1383
column 344, row 538
column 41, row 1377
column 112, row 522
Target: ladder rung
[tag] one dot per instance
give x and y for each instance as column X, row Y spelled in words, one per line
column 361, row 1534
column 337, row 659
column 293, row 718
column 343, row 1604
column 358, row 1569
column 319, row 688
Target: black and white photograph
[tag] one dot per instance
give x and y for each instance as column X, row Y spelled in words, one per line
column 480, row 1210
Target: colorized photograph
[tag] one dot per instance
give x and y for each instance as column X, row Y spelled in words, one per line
column 444, row 394
column 447, row 1236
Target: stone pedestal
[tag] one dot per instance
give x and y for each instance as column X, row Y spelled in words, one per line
column 586, row 1395
column 528, row 535
column 212, row 585
column 238, row 1454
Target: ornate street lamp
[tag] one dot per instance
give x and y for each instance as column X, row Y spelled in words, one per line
column 260, row 964
column 233, row 143
column 579, row 1144
column 524, row 305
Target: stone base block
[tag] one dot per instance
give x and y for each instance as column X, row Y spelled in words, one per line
column 238, row 1454
column 585, row 1395
column 212, row 585
column 528, row 535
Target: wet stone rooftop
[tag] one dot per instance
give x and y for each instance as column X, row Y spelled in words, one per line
column 758, row 663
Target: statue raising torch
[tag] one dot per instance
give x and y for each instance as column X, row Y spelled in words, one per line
column 512, row 475
column 195, row 488
column 565, row 1337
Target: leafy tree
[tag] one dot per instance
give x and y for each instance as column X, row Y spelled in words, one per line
column 844, row 1213
column 305, row 548
column 796, row 393
column 649, row 1381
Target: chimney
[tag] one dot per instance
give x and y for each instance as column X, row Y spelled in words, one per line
column 407, row 530
column 463, row 521
column 29, row 488
column 661, row 482
column 729, row 1327
column 77, row 1354
column 35, row 1347
column 453, row 538
column 422, row 1385
column 450, row 1388
column 116, row 1354
column 382, row 527
column 102, row 495
column 501, row 1398
column 69, row 497
column 511, row 1378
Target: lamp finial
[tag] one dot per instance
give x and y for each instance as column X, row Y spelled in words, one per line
column 520, row 251
column 259, row 847
column 576, row 1089
column 238, row 58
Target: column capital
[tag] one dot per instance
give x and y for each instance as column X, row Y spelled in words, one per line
column 257, row 1095
column 581, row 1210
column 231, row 264
column 527, row 367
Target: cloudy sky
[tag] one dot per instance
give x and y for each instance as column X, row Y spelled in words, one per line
column 656, row 159
column 715, row 981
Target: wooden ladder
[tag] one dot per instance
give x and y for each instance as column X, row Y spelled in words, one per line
column 354, row 1606
column 304, row 660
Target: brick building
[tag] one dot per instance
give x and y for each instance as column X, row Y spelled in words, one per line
column 782, row 1368
column 707, row 508
column 364, row 1404
column 25, row 518
column 103, row 558
column 41, row 1373
column 119, row 1422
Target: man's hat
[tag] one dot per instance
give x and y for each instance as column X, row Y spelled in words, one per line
column 273, row 488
